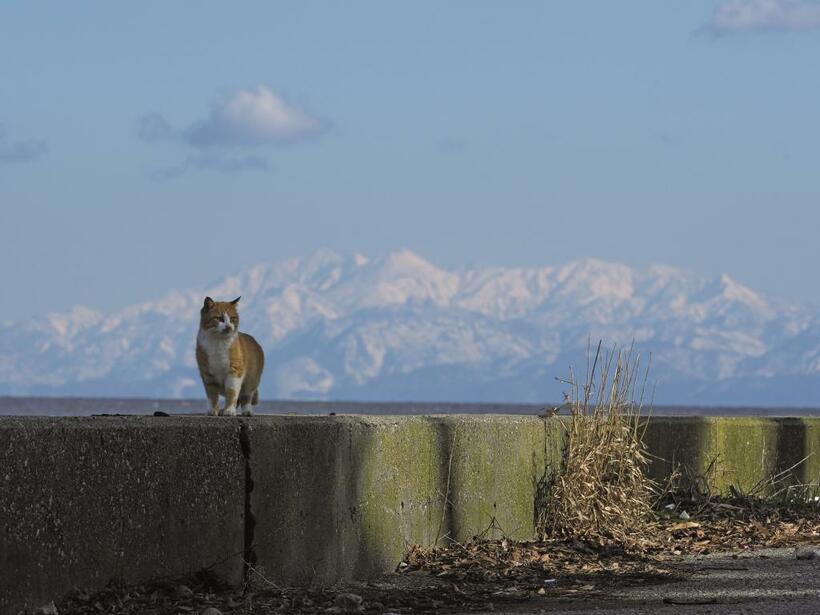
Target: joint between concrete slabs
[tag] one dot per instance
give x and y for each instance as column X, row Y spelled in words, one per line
column 248, row 553
column 309, row 499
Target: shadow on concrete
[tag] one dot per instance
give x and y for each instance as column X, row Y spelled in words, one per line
column 680, row 447
column 791, row 451
column 447, row 526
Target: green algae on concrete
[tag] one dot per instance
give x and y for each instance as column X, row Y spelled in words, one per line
column 344, row 497
column 402, row 468
column 307, row 499
column 742, row 452
column 808, row 434
column 494, row 467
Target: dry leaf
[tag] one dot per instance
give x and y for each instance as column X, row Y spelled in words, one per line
column 683, row 525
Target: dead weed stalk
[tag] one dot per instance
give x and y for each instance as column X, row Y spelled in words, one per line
column 602, row 492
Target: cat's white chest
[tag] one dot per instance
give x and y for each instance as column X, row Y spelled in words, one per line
column 217, row 349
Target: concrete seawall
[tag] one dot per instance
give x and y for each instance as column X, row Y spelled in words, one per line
column 307, row 499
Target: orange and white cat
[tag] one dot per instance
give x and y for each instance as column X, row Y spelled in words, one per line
column 230, row 362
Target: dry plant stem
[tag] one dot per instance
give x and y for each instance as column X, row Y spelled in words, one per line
column 602, row 492
column 256, row 574
column 446, row 489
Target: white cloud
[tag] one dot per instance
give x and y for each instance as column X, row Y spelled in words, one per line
column 251, row 118
column 732, row 16
column 247, row 119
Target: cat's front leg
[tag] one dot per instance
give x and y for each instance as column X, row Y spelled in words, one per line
column 212, row 393
column 233, row 384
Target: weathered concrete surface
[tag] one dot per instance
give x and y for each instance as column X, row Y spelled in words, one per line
column 309, row 499
column 734, row 451
column 83, row 501
column 340, row 498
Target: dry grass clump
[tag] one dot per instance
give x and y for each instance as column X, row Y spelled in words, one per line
column 602, row 492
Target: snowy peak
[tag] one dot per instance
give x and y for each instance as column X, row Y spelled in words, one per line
column 735, row 292
column 402, row 278
column 75, row 321
column 399, row 327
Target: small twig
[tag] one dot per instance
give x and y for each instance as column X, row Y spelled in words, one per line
column 447, row 488
column 257, row 573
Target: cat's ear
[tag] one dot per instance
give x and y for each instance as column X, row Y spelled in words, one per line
column 209, row 303
column 235, row 301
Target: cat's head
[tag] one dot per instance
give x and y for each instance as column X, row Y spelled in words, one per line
column 219, row 317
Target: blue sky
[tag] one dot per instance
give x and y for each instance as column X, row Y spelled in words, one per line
column 163, row 145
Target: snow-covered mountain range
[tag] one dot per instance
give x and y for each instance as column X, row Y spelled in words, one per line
column 400, row 328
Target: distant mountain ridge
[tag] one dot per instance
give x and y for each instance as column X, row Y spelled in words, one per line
column 400, row 328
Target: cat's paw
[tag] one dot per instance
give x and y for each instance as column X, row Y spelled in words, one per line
column 229, row 411
column 247, row 410
column 213, row 411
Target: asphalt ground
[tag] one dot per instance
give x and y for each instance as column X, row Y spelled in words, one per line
column 761, row 582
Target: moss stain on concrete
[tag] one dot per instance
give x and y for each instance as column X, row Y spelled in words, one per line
column 737, row 452
column 810, row 472
column 496, row 465
column 334, row 498
column 399, row 478
column 428, row 479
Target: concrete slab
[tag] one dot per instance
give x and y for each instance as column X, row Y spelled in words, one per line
column 340, row 498
column 737, row 451
column 309, row 499
column 84, row 501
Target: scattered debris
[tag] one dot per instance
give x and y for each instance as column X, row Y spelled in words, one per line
column 805, row 553
column 397, row 594
column 48, row 609
column 733, row 524
column 348, row 603
column 183, row 591
column 556, row 567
